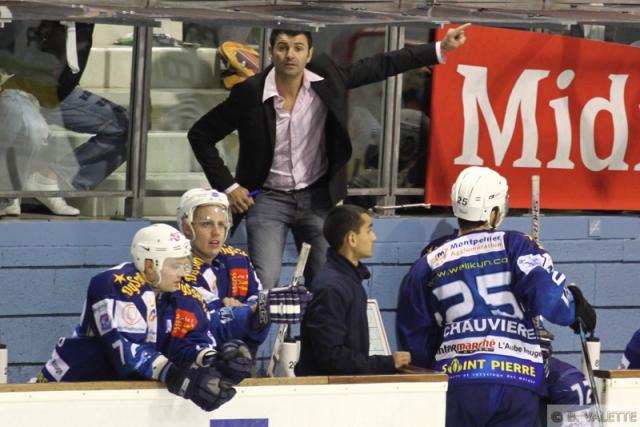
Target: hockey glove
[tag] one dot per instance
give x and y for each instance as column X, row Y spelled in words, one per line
column 585, row 314
column 204, row 386
column 234, row 361
column 287, row 304
column 207, row 357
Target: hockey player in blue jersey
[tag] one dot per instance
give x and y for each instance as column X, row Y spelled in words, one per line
column 631, row 356
column 466, row 308
column 566, row 386
column 118, row 336
column 225, row 276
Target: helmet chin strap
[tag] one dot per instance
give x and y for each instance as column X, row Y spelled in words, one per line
column 155, row 285
column 498, row 217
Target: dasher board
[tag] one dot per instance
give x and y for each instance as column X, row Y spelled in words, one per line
column 337, row 401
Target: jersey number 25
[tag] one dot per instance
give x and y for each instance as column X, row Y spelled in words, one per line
column 498, row 300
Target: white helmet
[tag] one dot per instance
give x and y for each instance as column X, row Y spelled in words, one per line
column 201, row 197
column 476, row 192
column 158, row 242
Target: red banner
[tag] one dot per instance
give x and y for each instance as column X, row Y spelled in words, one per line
column 526, row 104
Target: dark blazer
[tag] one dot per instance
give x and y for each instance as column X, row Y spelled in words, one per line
column 335, row 329
column 255, row 121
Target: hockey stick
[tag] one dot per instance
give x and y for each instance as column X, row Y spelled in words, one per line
column 535, row 208
column 592, row 380
column 535, row 234
column 283, row 329
column 535, row 217
column 406, row 206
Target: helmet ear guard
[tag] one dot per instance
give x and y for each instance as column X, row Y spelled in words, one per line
column 158, row 242
column 476, row 192
column 197, row 197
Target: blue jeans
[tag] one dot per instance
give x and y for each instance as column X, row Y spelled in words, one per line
column 269, row 221
column 90, row 163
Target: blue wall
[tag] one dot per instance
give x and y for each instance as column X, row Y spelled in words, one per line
column 45, row 267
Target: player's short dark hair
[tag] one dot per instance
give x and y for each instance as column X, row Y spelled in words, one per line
column 340, row 221
column 291, row 33
column 465, row 224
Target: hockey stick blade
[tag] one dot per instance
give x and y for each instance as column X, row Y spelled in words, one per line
column 301, row 264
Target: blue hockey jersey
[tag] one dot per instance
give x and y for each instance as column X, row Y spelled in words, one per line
column 184, row 334
column 230, row 275
column 466, row 307
column 631, row 356
column 566, row 385
column 117, row 337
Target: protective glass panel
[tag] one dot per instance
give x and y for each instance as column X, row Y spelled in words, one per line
column 365, row 107
column 365, row 104
column 63, row 110
column 414, row 118
column 189, row 77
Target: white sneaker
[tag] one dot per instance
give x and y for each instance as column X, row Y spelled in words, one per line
column 9, row 207
column 57, row 205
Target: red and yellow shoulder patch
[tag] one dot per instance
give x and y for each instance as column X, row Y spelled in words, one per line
column 185, row 322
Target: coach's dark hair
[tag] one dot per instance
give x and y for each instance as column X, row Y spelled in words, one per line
column 291, row 33
column 340, row 221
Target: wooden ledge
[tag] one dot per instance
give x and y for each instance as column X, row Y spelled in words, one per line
column 249, row 382
column 617, row 373
column 80, row 386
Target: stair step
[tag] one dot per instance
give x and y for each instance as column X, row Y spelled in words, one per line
column 171, row 109
column 153, row 206
column 105, row 35
column 167, row 152
column 172, row 67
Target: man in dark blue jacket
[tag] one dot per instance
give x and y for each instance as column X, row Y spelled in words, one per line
column 335, row 331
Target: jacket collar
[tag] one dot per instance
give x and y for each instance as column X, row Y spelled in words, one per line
column 270, row 90
column 359, row 272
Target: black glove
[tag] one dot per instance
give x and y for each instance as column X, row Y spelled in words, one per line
column 585, row 313
column 204, row 386
column 234, row 361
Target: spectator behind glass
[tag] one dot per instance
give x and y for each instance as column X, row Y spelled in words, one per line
column 36, row 53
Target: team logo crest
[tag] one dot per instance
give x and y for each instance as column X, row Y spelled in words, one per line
column 131, row 314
